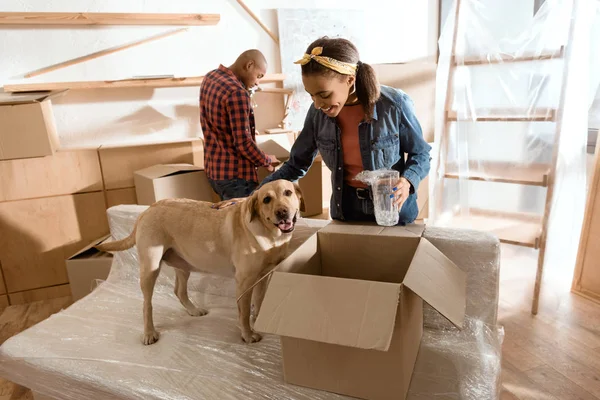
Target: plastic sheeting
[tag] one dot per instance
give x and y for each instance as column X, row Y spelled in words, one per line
column 517, row 126
column 93, row 349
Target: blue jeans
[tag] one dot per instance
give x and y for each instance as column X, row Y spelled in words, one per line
column 360, row 207
column 233, row 188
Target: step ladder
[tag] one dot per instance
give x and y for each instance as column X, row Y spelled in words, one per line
column 515, row 228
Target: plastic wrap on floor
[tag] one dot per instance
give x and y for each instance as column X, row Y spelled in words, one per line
column 93, row 349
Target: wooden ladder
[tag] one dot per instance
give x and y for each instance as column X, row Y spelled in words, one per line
column 513, row 228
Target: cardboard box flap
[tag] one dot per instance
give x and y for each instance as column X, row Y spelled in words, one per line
column 89, row 246
column 349, row 228
column 162, row 170
column 344, row 312
column 438, row 281
column 273, row 148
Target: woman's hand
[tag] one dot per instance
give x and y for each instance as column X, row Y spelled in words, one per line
column 226, row 203
column 401, row 191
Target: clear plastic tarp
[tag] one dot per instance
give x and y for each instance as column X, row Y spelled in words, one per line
column 512, row 99
column 93, row 349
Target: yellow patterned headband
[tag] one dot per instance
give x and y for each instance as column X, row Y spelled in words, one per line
column 343, row 68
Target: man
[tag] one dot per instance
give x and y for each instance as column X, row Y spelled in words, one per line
column 231, row 155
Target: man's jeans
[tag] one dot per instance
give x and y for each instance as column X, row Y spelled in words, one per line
column 233, row 188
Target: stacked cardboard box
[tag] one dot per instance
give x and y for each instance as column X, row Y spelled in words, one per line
column 54, row 205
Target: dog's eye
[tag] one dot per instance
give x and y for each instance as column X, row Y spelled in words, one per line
column 267, row 200
column 288, row 193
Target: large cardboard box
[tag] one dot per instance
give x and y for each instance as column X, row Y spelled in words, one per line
column 169, row 181
column 65, row 172
column 120, row 162
column 311, row 184
column 86, row 267
column 348, row 305
column 37, row 235
column 27, row 126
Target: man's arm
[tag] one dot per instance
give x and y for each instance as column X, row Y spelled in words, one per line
column 302, row 155
column 238, row 112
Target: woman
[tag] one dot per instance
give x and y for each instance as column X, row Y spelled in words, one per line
column 356, row 124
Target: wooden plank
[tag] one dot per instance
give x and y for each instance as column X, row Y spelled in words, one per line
column 578, row 364
column 39, row 234
column 276, row 90
column 66, row 18
column 521, row 386
column 47, row 293
column 120, row 196
column 557, row 384
column 505, row 115
column 517, row 229
column 65, row 172
column 586, row 278
column 258, row 20
column 103, row 53
column 558, row 130
column 522, row 174
column 119, row 163
column 506, row 58
column 121, row 84
column 516, row 355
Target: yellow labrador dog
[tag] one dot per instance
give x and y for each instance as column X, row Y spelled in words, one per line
column 253, row 235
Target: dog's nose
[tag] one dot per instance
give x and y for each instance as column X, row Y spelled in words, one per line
column 282, row 214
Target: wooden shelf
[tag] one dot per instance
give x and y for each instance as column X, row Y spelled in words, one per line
column 506, row 115
column 512, row 228
column 505, row 58
column 125, row 83
column 526, row 174
column 57, row 18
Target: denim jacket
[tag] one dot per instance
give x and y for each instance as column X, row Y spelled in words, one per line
column 393, row 132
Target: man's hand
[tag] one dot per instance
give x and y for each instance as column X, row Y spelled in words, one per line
column 226, row 203
column 401, row 191
column 274, row 162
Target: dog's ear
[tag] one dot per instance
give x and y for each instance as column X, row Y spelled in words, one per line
column 300, row 197
column 251, row 206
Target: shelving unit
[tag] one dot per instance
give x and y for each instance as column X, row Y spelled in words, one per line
column 60, row 18
column 124, row 83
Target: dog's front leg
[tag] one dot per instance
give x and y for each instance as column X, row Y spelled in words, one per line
column 243, row 284
column 258, row 295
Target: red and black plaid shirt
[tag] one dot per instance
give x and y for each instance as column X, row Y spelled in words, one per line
column 227, row 120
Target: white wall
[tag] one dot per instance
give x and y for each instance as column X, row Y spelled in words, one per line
column 398, row 30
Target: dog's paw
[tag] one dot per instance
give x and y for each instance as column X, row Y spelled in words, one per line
column 150, row 338
column 197, row 312
column 251, row 337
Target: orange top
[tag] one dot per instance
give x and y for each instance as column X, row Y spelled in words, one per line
column 348, row 120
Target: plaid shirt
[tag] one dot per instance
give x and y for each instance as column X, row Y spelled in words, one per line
column 227, row 120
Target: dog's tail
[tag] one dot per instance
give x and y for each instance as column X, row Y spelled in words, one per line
column 119, row 245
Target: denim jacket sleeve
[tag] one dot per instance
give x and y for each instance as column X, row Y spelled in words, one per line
column 304, row 150
column 414, row 145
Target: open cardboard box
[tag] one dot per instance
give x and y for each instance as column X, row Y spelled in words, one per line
column 348, row 305
column 170, row 181
column 27, row 124
column 87, row 266
column 311, row 184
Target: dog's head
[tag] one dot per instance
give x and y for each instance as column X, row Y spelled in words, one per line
column 277, row 204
